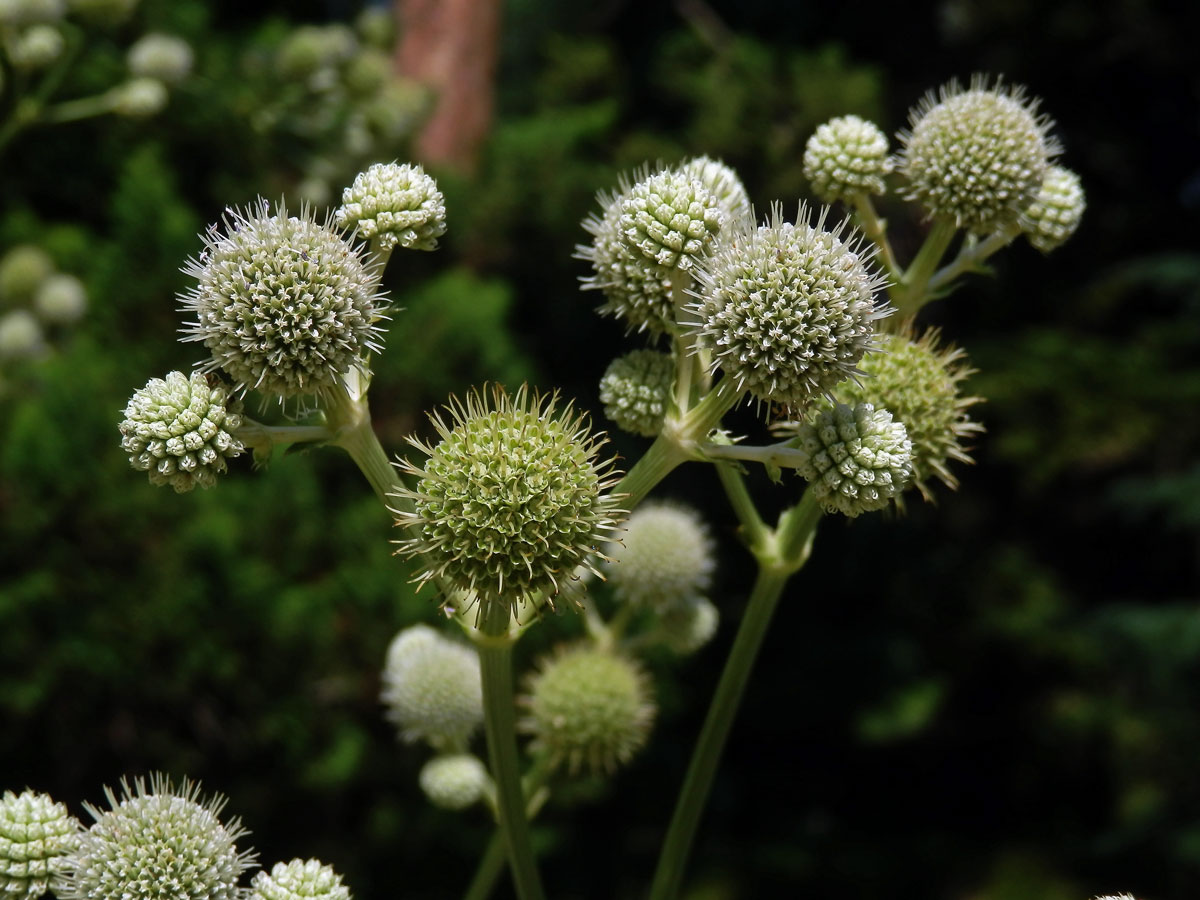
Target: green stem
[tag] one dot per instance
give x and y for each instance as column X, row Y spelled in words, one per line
column 875, row 229
column 971, row 257
column 685, row 359
column 75, row 110
column 349, row 420
column 491, row 864
column 753, row 530
column 781, row 455
column 913, row 290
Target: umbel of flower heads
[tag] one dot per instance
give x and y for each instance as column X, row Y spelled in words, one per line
column 37, row 835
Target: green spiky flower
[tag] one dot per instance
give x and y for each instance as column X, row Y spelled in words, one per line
column 976, row 156
column 510, row 502
column 1055, row 214
column 846, row 156
column 300, row 879
column 398, row 204
column 455, row 781
column 919, row 384
column 636, row 391
column 431, row 688
column 726, row 186
column 788, row 310
column 164, row 843
column 671, row 218
column 36, row 837
column 588, row 708
column 285, row 305
column 665, row 558
column 857, row 458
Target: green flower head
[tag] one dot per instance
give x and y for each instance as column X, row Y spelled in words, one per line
column 396, row 204
column 1055, row 214
column 665, row 559
column 300, row 879
column 846, row 156
column 671, row 218
column 36, row 837
column 455, row 781
column 431, row 688
column 636, row 391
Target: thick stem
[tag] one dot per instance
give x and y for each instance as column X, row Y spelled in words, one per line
column 971, row 257
column 913, row 290
column 349, row 420
column 875, row 230
column 753, row 530
column 491, row 864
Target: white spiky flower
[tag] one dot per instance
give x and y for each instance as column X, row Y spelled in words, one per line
column 664, row 558
column 671, row 218
column 636, row 391
column 397, row 204
column 846, row 156
column 431, row 688
column 37, row 835
column 300, row 879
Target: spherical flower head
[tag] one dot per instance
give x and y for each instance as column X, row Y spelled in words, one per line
column 61, row 300
column 284, row 303
column 671, row 218
column 300, row 879
column 1055, row 214
column 665, row 558
column 687, row 627
column 454, row 782
column 636, row 391
column 20, row 336
column 588, row 708
column 788, row 310
column 179, row 430
column 846, row 156
column 102, row 12
column 161, row 56
column 139, row 98
column 977, row 157
column 919, row 383
column 36, row 837
column 726, row 186
column 161, row 843
column 857, row 459
column 22, row 271
column 511, row 501
column 396, row 204
column 36, row 47
column 19, row 13
column 431, row 688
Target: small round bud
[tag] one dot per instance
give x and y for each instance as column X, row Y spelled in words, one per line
column 36, row 48
column 19, row 13
column 180, row 431
column 300, row 879
column 511, row 501
column 1055, row 214
column 846, row 156
column 432, row 688
column 22, row 271
column 61, row 300
column 686, row 628
column 36, row 837
column 671, row 218
column 139, row 98
column 160, row 56
column 285, row 304
column 20, row 336
column 665, row 558
column 103, row 12
column 977, row 157
column 918, row 383
column 158, row 844
column 857, row 459
column 788, row 310
column 726, row 186
column 588, row 708
column 398, row 204
column 636, row 391
column 454, row 782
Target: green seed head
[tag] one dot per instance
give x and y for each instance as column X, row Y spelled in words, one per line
column 857, row 459
column 977, row 157
column 285, row 305
column 665, row 559
column 510, row 502
column 671, row 218
column 1055, row 214
column 300, row 879
column 398, row 204
column 36, row 837
column 161, row 56
column 636, row 391
column 61, row 300
column 846, row 156
column 454, row 782
column 180, row 431
column 431, row 688
column 164, row 843
column 788, row 310
column 588, row 709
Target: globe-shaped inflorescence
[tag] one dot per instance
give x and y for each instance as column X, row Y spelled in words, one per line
column 919, row 383
column 1055, row 214
column 665, row 558
column 300, row 879
column 636, row 391
column 163, row 843
column 846, row 156
column 726, row 186
column 510, row 502
column 179, row 430
column 787, row 311
column 977, row 156
column 857, row 459
column 588, row 708
column 671, row 218
column 285, row 305
column 431, row 688
column 160, row 56
column 687, row 627
column 455, row 781
column 36, row 837
column 395, row 204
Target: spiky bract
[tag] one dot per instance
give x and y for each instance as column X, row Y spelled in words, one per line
column 671, row 218
column 36, row 837
column 665, row 557
column 284, row 303
column 510, row 501
column 431, row 688
column 636, row 391
column 846, row 156
column 300, row 879
column 1055, row 214
column 397, row 204
column 455, row 781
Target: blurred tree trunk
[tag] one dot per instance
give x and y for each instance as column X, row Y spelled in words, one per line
column 451, row 46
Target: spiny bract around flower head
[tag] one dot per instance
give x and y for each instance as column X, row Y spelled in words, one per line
column 180, row 431
column 398, row 204
column 977, row 157
column 846, row 156
column 671, row 218
column 36, row 837
column 431, row 688
column 158, row 844
column 284, row 303
column 857, row 458
column 788, row 310
column 636, row 391
column 1055, row 214
column 511, row 501
column 665, row 557
column 300, row 879
column 455, row 781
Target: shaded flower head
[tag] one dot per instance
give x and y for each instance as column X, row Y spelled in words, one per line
column 455, row 781
column 846, row 156
column 36, row 837
column 665, row 557
column 671, row 217
column 300, row 879
column 396, row 204
column 431, row 688
column 1055, row 214
column 636, row 391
